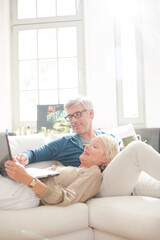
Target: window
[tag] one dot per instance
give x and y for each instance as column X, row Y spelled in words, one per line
column 47, row 55
column 129, row 68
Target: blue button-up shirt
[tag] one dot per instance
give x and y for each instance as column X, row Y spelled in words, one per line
column 65, row 150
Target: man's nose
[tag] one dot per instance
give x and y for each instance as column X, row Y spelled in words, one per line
column 74, row 119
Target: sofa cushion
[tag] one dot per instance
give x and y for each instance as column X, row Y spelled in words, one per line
column 126, row 133
column 126, row 216
column 21, row 143
column 84, row 234
column 43, row 222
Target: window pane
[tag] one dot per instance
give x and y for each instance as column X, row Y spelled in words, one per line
column 27, row 44
column 48, row 97
column 66, row 7
column 47, row 47
column 129, row 71
column 67, row 93
column 27, row 75
column 68, row 75
column 26, row 9
column 28, row 106
column 46, row 8
column 67, row 48
column 48, row 74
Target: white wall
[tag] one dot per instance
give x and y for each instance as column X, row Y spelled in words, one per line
column 151, row 39
column 100, row 77
column 100, row 63
column 5, row 100
column 99, row 46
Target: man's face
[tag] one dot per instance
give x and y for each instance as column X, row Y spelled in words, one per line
column 94, row 153
column 83, row 124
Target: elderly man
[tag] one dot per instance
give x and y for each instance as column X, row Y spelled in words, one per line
column 67, row 149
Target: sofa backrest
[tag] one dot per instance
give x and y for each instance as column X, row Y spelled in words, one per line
column 26, row 142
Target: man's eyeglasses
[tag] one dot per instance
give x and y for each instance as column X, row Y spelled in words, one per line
column 76, row 115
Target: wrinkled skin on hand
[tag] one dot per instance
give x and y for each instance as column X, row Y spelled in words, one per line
column 16, row 171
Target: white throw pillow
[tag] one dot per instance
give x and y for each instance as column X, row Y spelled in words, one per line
column 26, row 142
column 16, row 195
column 126, row 133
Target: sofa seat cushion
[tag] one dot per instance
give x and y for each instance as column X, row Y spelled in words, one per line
column 43, row 221
column 129, row 217
column 84, row 234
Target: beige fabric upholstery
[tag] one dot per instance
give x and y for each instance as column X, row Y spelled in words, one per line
column 46, row 221
column 128, row 217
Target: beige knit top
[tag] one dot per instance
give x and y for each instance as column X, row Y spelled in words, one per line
column 71, row 186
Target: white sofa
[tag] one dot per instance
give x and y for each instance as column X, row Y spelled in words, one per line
column 112, row 218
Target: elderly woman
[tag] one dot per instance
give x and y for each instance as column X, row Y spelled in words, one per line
column 80, row 184
column 72, row 185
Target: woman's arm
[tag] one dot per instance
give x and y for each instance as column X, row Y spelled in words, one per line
column 17, row 172
column 84, row 187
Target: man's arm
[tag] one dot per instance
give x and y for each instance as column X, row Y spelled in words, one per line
column 65, row 150
column 44, row 153
column 22, row 159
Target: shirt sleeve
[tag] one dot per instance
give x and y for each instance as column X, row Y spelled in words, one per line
column 46, row 152
column 84, row 187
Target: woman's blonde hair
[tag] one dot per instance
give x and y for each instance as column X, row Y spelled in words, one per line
column 111, row 146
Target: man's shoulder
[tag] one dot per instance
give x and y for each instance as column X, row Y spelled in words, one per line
column 65, row 137
column 98, row 132
column 68, row 140
column 70, row 135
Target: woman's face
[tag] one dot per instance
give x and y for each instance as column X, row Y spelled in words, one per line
column 94, row 153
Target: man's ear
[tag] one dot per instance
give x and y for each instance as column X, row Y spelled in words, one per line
column 92, row 113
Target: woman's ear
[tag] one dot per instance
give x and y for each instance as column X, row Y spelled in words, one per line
column 105, row 163
column 105, row 160
column 108, row 160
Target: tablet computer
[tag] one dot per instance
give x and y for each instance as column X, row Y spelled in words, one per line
column 5, row 154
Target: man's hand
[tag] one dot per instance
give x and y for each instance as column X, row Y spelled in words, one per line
column 16, row 171
column 22, row 159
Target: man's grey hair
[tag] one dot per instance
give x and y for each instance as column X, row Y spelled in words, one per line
column 84, row 101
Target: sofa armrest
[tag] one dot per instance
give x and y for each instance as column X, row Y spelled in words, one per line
column 151, row 136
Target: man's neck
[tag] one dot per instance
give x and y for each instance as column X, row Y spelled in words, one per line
column 89, row 135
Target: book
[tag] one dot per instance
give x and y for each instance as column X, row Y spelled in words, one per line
column 51, row 119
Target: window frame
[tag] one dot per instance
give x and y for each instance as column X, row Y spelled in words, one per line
column 15, row 21
column 140, row 120
column 52, row 22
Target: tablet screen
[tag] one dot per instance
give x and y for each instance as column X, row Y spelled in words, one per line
column 5, row 153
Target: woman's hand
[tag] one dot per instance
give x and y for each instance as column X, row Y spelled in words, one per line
column 16, row 171
column 22, row 159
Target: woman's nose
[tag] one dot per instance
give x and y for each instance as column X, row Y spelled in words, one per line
column 87, row 145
